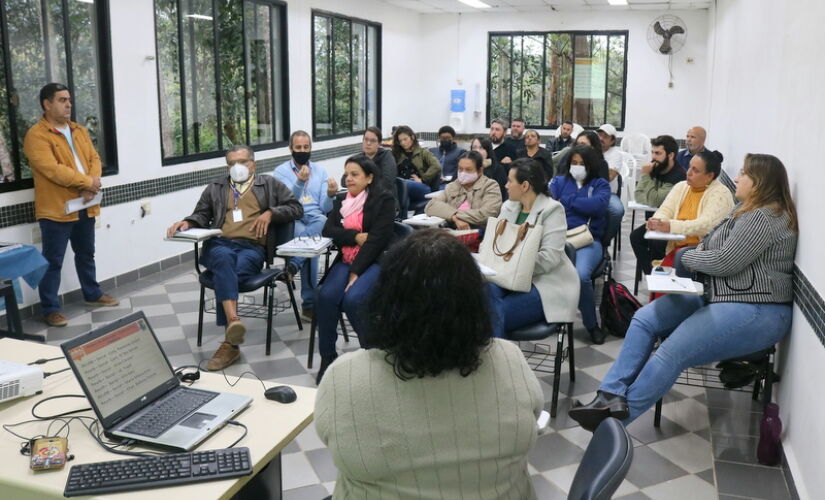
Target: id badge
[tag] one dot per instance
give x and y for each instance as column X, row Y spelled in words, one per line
column 306, row 199
column 237, row 215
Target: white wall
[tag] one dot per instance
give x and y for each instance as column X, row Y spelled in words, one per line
column 455, row 47
column 766, row 97
column 124, row 240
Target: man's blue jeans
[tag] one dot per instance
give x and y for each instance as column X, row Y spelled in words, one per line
column 230, row 262
column 695, row 334
column 416, row 191
column 587, row 259
column 56, row 236
column 332, row 300
column 615, row 214
column 309, row 267
column 513, row 310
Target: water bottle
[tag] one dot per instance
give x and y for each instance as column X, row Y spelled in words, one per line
column 767, row 452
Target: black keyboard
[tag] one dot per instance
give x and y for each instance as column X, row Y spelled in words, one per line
column 168, row 411
column 157, row 471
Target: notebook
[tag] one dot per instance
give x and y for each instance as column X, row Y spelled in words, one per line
column 134, row 392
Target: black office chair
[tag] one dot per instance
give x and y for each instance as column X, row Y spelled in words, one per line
column 400, row 231
column 266, row 279
column 605, row 463
column 403, row 199
column 538, row 354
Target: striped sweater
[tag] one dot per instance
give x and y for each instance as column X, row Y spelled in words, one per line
column 435, row 437
column 747, row 259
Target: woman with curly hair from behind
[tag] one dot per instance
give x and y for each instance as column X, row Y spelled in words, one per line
column 439, row 409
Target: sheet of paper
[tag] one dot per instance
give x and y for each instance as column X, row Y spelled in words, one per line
column 673, row 284
column 424, row 220
column 77, row 204
column 195, row 234
column 638, row 206
column 658, row 235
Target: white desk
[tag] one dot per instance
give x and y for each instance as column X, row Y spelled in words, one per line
column 638, row 206
column 423, row 220
column 290, row 250
column 662, row 236
column 271, row 427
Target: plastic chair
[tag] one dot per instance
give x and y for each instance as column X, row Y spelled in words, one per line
column 266, row 279
column 538, row 354
column 605, row 463
column 403, row 199
column 638, row 145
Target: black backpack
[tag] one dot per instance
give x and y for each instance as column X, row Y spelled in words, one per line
column 617, row 308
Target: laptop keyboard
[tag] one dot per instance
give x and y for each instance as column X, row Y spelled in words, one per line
column 166, row 413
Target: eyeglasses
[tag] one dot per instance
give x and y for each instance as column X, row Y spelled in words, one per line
column 309, row 239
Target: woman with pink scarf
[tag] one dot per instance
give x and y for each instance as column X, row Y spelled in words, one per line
column 361, row 225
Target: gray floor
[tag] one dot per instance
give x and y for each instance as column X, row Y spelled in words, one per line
column 705, row 447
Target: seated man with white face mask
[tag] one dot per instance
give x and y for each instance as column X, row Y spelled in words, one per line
column 242, row 205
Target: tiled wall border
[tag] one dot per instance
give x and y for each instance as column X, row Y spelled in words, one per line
column 23, row 213
column 810, row 303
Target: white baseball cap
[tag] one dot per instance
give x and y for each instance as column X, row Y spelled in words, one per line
column 608, row 129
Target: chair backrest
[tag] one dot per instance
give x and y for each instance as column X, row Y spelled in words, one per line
column 605, row 463
column 401, row 230
column 630, row 172
column 278, row 234
column 638, row 145
column 401, row 196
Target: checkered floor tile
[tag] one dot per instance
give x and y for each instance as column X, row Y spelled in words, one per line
column 704, row 448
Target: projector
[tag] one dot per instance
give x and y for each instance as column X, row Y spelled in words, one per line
column 18, row 380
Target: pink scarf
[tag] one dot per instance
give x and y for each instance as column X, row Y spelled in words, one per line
column 352, row 212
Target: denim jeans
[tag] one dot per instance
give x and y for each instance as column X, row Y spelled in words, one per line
column 695, row 334
column 587, row 260
column 513, row 310
column 332, row 300
column 230, row 262
column 56, row 235
column 615, row 213
column 308, row 267
column 416, row 191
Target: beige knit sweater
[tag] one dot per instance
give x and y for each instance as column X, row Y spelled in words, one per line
column 434, row 437
column 715, row 204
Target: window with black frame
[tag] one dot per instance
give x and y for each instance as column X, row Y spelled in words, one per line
column 346, row 87
column 43, row 41
column 549, row 77
column 222, row 76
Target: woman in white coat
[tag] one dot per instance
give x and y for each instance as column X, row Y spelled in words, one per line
column 554, row 295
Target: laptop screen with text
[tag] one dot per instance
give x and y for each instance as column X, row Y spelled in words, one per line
column 120, row 366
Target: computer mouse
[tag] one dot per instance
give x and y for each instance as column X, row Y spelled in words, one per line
column 281, row 394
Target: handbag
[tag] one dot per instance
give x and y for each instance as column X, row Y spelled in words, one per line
column 580, row 236
column 510, row 250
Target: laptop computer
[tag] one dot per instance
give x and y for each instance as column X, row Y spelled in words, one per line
column 134, row 392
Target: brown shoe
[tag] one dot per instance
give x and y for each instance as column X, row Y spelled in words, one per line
column 103, row 301
column 235, row 331
column 56, row 319
column 223, row 357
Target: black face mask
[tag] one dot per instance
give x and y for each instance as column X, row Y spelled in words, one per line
column 301, row 157
column 446, row 144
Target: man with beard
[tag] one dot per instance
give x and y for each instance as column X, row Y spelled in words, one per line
column 516, row 139
column 563, row 140
column 504, row 151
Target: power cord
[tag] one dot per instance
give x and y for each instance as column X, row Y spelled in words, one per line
column 43, row 360
column 245, row 431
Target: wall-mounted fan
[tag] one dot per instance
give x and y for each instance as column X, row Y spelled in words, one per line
column 666, row 35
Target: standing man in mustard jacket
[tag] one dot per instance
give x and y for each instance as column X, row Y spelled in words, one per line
column 64, row 165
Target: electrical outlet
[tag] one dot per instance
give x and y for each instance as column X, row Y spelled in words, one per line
column 98, row 223
column 36, row 236
column 145, row 209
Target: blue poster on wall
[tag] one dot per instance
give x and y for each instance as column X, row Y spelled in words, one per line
column 457, row 100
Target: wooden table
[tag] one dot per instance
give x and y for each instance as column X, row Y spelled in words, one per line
column 272, row 426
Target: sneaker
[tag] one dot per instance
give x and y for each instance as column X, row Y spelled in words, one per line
column 307, row 314
column 235, row 331
column 56, row 319
column 103, row 301
column 223, row 357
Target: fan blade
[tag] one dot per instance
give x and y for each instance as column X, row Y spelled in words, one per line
column 676, row 30
column 665, row 48
column 658, row 29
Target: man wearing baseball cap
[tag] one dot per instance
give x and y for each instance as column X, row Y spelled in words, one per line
column 613, row 157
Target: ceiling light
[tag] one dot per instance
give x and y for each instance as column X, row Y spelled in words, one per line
column 199, row 16
column 478, row 4
column 617, row 2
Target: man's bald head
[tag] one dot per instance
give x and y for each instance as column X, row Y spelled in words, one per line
column 695, row 139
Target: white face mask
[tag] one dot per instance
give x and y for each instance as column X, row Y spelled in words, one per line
column 578, row 172
column 239, row 172
column 465, row 178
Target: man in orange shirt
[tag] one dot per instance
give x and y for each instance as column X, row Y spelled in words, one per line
column 65, row 166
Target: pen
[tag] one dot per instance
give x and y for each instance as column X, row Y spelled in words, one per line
column 678, row 283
